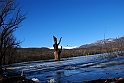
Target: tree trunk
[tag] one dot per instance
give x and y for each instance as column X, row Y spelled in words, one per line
column 57, row 51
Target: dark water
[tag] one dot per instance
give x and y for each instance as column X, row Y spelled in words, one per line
column 76, row 69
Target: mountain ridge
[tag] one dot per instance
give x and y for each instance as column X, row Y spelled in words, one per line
column 102, row 42
column 98, row 43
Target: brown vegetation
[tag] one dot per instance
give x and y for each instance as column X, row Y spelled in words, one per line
column 14, row 79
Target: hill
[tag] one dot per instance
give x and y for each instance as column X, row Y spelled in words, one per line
column 110, row 41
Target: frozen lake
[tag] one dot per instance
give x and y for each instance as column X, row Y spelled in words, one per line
column 75, row 69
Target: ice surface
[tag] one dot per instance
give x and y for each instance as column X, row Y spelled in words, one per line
column 76, row 69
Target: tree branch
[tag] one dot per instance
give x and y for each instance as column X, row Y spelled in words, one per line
column 59, row 40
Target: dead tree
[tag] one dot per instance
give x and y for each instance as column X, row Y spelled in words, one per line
column 10, row 18
column 57, row 51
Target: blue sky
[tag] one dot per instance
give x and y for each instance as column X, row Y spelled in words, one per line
column 78, row 22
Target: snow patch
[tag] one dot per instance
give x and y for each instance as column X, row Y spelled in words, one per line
column 66, row 47
column 35, row 80
column 51, row 80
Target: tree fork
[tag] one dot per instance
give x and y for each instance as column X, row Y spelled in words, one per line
column 57, row 51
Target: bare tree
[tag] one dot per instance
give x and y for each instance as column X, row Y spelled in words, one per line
column 10, row 18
